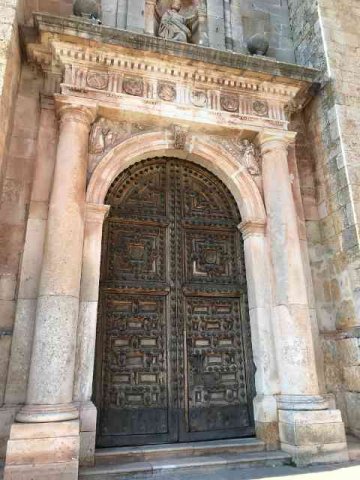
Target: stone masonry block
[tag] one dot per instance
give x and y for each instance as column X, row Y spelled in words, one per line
column 43, row 450
column 349, row 351
column 352, row 378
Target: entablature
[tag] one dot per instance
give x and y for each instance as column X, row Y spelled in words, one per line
column 164, row 85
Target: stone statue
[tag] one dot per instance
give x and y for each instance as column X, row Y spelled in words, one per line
column 89, row 9
column 174, row 26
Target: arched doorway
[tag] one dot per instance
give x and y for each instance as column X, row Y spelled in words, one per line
column 174, row 359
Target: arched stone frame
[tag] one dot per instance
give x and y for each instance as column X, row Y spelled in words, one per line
column 257, row 259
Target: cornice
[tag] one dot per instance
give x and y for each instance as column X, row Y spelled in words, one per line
column 85, row 30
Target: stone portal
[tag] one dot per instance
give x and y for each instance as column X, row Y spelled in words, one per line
column 174, row 349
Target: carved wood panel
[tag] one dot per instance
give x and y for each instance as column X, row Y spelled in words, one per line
column 174, row 356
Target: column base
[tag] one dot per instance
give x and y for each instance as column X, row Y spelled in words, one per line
column 88, row 416
column 43, row 451
column 353, row 412
column 47, row 413
column 313, row 436
column 302, row 402
column 266, row 420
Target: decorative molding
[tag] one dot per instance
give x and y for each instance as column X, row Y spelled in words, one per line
column 96, row 213
column 110, row 74
column 252, row 228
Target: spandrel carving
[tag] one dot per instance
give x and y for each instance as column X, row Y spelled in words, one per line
column 244, row 151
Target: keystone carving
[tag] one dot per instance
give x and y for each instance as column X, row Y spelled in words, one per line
column 180, row 136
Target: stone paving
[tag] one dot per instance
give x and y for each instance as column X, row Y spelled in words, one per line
column 348, row 471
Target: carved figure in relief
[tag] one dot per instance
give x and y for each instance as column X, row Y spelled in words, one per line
column 249, row 158
column 244, row 151
column 175, row 26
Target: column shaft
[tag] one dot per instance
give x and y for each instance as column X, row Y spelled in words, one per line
column 292, row 325
column 262, row 338
column 50, row 388
column 89, row 292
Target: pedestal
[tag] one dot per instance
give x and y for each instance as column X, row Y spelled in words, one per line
column 43, row 451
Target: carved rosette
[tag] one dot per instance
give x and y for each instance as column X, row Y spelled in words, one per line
column 260, row 108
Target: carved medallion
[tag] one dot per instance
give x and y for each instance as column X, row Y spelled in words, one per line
column 229, row 103
column 198, row 98
column 97, row 80
column 133, row 86
column 260, row 108
column 167, row 91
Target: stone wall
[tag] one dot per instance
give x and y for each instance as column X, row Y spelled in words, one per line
column 326, row 36
column 14, row 204
column 229, row 23
column 9, row 72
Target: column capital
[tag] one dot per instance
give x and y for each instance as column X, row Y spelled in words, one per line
column 273, row 140
column 75, row 109
column 96, row 213
column 252, row 228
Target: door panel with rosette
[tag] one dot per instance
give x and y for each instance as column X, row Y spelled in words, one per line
column 174, row 359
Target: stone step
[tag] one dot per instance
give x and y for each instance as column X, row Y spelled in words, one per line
column 177, row 450
column 195, row 464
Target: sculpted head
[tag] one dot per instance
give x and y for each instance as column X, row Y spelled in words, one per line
column 176, row 5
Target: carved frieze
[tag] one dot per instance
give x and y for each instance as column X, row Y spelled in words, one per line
column 133, row 86
column 231, row 97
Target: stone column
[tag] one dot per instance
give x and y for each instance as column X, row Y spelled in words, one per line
column 203, row 24
column 86, row 332
column 46, row 442
column 150, row 16
column 304, row 419
column 50, row 387
column 258, row 275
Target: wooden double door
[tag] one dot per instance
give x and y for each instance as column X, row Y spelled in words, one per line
column 174, row 359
